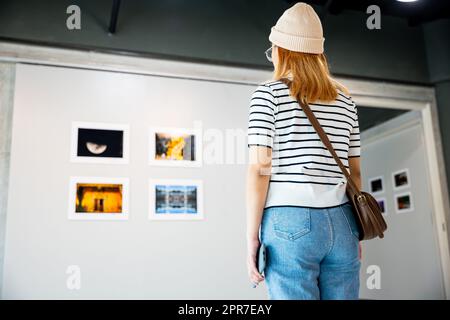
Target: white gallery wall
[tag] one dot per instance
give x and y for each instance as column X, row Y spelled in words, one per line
column 136, row 258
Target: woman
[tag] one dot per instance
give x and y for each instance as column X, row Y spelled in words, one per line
column 295, row 190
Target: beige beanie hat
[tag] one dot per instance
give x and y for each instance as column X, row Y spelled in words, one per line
column 298, row 29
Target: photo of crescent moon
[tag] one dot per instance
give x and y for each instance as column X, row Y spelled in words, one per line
column 96, row 148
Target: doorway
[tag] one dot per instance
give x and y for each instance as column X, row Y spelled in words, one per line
column 406, row 263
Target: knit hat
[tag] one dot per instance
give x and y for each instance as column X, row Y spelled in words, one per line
column 298, row 29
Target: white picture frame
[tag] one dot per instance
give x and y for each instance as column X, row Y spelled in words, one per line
column 154, row 215
column 411, row 202
column 374, row 179
column 395, row 186
column 77, row 125
column 197, row 133
column 74, row 181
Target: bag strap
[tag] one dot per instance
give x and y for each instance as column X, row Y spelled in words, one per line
column 323, row 136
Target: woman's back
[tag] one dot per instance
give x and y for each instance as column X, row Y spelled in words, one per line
column 300, row 212
column 303, row 171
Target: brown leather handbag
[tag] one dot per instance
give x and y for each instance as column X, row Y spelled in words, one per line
column 365, row 208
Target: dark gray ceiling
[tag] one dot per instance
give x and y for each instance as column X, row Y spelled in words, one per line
column 370, row 117
column 415, row 13
column 231, row 32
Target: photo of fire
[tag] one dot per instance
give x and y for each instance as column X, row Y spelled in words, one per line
column 98, row 198
column 174, row 147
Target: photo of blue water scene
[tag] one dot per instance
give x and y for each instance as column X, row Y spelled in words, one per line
column 175, row 199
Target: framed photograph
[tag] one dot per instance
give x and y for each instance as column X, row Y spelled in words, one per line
column 176, row 199
column 401, row 179
column 175, row 147
column 376, row 185
column 98, row 198
column 382, row 204
column 403, row 202
column 94, row 142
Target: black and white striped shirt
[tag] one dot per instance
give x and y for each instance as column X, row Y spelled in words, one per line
column 304, row 172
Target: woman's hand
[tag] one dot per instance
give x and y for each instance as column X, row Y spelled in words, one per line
column 253, row 273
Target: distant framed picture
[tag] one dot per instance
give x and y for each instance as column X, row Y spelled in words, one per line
column 401, row 179
column 376, row 184
column 98, row 198
column 404, row 202
column 382, row 204
column 176, row 199
column 175, row 147
column 94, row 142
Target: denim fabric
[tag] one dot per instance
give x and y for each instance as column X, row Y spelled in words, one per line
column 312, row 253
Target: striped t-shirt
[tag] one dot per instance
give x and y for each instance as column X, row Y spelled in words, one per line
column 304, row 172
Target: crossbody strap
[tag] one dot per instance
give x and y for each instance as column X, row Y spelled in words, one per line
column 323, row 136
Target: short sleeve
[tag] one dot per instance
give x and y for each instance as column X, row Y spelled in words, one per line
column 261, row 119
column 355, row 142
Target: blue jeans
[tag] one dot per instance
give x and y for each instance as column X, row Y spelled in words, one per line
column 312, row 253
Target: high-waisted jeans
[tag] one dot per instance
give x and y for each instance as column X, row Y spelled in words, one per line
column 312, row 253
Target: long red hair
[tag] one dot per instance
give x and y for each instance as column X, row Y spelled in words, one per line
column 307, row 76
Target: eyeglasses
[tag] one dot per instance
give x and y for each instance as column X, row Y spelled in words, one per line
column 268, row 53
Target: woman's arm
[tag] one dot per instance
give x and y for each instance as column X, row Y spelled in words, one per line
column 258, row 177
column 261, row 130
column 355, row 170
column 354, row 164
